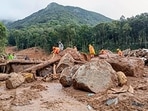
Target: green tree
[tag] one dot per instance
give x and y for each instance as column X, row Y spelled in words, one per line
column 3, row 37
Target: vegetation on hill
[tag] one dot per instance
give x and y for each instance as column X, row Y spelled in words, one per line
column 3, row 39
column 59, row 14
column 124, row 33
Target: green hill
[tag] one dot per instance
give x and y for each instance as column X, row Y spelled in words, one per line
column 60, row 15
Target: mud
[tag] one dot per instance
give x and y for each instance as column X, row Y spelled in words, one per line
column 39, row 96
column 51, row 96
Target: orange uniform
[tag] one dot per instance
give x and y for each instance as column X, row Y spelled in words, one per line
column 120, row 53
column 56, row 50
column 91, row 50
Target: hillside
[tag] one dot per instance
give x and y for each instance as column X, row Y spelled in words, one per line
column 61, row 15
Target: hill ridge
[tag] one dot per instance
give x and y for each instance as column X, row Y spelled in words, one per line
column 61, row 14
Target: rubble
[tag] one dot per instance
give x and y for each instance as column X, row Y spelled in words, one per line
column 14, row 81
column 92, row 82
column 131, row 66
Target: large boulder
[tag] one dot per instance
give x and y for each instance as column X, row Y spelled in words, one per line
column 14, row 81
column 131, row 66
column 66, row 75
column 66, row 61
column 74, row 53
column 94, row 76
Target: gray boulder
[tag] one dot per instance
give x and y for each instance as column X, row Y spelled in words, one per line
column 66, row 61
column 94, row 76
column 131, row 66
column 66, row 75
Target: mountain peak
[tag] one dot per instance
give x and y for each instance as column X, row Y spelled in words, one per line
column 53, row 4
column 62, row 15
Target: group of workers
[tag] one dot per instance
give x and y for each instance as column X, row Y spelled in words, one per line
column 92, row 51
column 60, row 47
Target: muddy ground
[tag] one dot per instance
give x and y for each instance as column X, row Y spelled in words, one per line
column 51, row 96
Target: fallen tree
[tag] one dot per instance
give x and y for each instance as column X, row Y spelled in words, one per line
column 33, row 69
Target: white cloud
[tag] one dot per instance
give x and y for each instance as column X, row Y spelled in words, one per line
column 18, row 9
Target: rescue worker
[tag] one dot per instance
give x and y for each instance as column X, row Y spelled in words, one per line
column 56, row 50
column 120, row 53
column 91, row 50
column 10, row 56
column 61, row 46
column 103, row 51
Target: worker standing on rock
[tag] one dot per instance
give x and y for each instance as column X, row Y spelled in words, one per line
column 120, row 53
column 61, row 46
column 56, row 50
column 91, row 50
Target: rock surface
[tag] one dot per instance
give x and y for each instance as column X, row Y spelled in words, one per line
column 66, row 75
column 14, row 81
column 122, row 79
column 95, row 76
column 66, row 61
column 131, row 66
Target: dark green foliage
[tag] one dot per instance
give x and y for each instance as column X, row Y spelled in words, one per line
column 3, row 39
column 124, row 33
column 60, row 15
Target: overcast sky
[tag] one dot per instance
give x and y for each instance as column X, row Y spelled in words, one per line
column 19, row 9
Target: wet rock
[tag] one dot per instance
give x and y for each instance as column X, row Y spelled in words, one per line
column 14, row 81
column 95, row 76
column 131, row 66
column 74, row 53
column 122, row 79
column 29, row 77
column 66, row 75
column 66, row 61
column 112, row 101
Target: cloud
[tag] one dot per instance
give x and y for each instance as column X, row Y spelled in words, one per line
column 18, row 9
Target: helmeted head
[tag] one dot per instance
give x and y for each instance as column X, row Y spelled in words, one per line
column 53, row 48
column 59, row 42
column 118, row 49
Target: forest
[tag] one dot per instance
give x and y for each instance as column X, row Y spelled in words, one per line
column 124, row 33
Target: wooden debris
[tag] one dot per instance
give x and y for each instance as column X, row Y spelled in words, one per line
column 43, row 64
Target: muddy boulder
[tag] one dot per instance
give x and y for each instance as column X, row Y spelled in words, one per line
column 74, row 53
column 66, row 61
column 95, row 76
column 14, row 81
column 66, row 75
column 131, row 66
column 122, row 79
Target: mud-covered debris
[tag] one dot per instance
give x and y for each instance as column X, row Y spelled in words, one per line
column 112, row 101
column 14, row 81
column 134, row 103
column 122, row 79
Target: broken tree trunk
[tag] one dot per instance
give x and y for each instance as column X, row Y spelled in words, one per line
column 43, row 64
